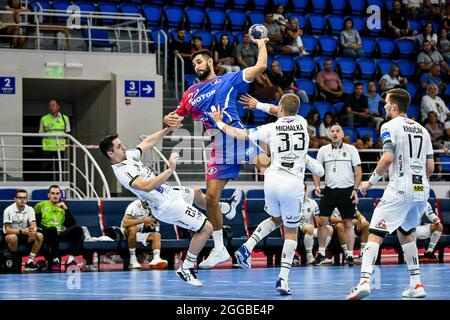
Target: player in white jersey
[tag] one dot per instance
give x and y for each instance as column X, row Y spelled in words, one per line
column 432, row 231
column 408, row 154
column 166, row 203
column 310, row 212
column 288, row 141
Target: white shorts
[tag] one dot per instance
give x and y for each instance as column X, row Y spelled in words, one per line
column 392, row 213
column 175, row 210
column 284, row 197
column 140, row 236
column 423, row 231
column 186, row 193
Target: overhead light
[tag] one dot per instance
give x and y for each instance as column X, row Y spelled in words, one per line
column 73, row 65
column 54, row 64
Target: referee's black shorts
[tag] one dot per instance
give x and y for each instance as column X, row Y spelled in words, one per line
column 337, row 198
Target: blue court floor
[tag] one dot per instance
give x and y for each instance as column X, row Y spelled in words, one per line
column 309, row 283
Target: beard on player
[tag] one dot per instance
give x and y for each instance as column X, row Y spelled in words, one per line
column 203, row 74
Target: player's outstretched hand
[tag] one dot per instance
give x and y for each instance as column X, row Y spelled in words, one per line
column 354, row 196
column 319, row 192
column 173, row 161
column 173, row 120
column 260, row 41
column 364, row 187
column 248, row 101
column 216, row 114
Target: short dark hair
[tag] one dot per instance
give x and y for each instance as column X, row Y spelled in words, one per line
column 107, row 144
column 21, row 191
column 56, row 100
column 357, row 84
column 348, row 19
column 204, row 52
column 400, row 97
column 53, row 186
column 366, row 138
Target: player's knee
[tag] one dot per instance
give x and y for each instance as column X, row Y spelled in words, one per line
column 339, row 227
column 131, row 231
column 277, row 220
column 330, row 230
column 308, row 229
column 212, row 200
column 322, row 221
column 11, row 239
column 439, row 227
column 364, row 225
column 39, row 237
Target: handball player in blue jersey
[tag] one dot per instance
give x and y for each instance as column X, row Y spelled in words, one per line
column 227, row 153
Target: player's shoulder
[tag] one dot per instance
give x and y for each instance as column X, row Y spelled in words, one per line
column 136, row 204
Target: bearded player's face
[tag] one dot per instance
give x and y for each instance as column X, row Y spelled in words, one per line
column 201, row 67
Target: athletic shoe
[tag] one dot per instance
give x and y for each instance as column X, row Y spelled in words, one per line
column 359, row 292
column 321, row 260
column 429, row 257
column 282, row 287
column 244, row 257
column 31, row 266
column 71, row 263
column 309, row 258
column 350, row 261
column 134, row 265
column 56, row 267
column 158, row 264
column 190, row 276
column 233, row 201
column 216, row 256
column 417, row 292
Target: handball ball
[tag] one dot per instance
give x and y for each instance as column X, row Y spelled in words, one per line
column 258, row 31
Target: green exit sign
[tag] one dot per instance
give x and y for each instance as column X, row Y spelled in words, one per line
column 54, row 72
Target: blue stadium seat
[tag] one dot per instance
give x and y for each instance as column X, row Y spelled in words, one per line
column 85, row 7
column 190, row 79
column 385, row 47
column 351, row 133
column 308, row 86
column 368, row 46
column 39, row 5
column 39, row 194
column 174, row 16
column 347, row 67
column 383, row 66
column 324, row 107
column 407, row 67
column 349, row 87
column 446, row 165
column 218, row 34
column 61, row 6
column 260, row 4
column 444, row 205
column 155, row 31
column 240, row 4
column 320, row 61
column 412, row 89
column 300, row 18
column 359, row 23
column 415, row 25
column 7, row 194
column 255, row 194
column 109, row 9
column 338, row 6
column 413, row 111
column 338, row 107
column 305, row 108
column 284, row 3
column 306, row 65
column 178, row 3
column 200, row 3
column 152, row 15
column 207, row 38
column 379, row 3
column 328, row 45
column 220, row 3
column 316, row 23
column 309, row 43
column 357, row 6
column 216, row 18
column 100, row 38
column 239, row 36
column 361, row 132
column 300, row 5
column 335, row 24
column 255, row 17
column 367, row 68
column 286, row 62
column 319, row 6
column 85, row 213
column 195, row 17
column 129, row 8
column 405, row 48
column 237, row 19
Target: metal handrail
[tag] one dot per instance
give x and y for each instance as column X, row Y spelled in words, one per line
column 179, row 57
column 158, row 56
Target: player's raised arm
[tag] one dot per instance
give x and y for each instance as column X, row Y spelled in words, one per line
column 153, row 139
column 252, row 103
column 217, row 116
column 150, row 184
column 314, row 166
column 261, row 64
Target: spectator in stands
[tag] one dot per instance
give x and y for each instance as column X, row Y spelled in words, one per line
column 398, row 22
column 429, row 56
column 432, row 102
column 392, row 80
column 374, row 100
column 313, row 120
column 11, row 21
column 356, row 109
column 437, row 136
column 58, row 224
column 264, row 89
column 351, row 41
column 365, row 142
column 427, row 34
column 224, row 54
column 432, row 77
column 246, row 53
column 136, row 218
column 280, row 18
column 274, row 34
column 184, row 49
column 285, row 81
column 446, row 17
column 53, row 123
column 292, row 39
column 19, row 225
column 444, row 45
column 329, row 83
column 325, row 128
column 413, row 7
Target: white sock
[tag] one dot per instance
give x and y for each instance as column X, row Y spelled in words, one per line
column 218, row 239
column 133, row 254
column 322, row 251
column 309, row 243
column 287, row 258
column 435, row 236
column 31, row 257
column 412, row 260
column 55, row 260
column 70, row 259
column 369, row 258
column 345, row 249
column 156, row 253
column 363, row 246
column 263, row 229
column 224, row 207
column 189, row 261
column 327, row 241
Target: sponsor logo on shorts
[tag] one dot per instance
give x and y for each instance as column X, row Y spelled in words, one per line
column 381, row 225
column 212, row 170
